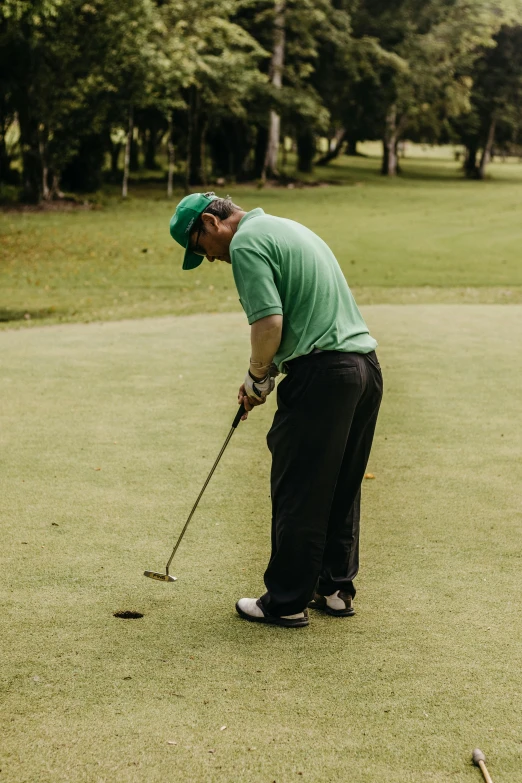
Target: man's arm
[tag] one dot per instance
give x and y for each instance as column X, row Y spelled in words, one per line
column 265, row 338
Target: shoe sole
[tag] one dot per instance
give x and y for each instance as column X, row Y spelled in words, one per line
column 269, row 620
column 332, row 612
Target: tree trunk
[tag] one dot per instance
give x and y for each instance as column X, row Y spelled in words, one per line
column 188, row 161
column 43, row 137
column 115, row 156
column 389, row 166
column 335, row 148
column 31, row 176
column 389, row 143
column 284, row 156
column 398, row 169
column 46, row 193
column 202, row 151
column 134, row 161
column 351, row 146
column 276, row 76
column 486, row 152
column 55, row 187
column 7, row 174
column 170, row 149
column 4, row 161
column 470, row 163
column 384, row 162
column 196, row 141
column 196, row 131
column 152, row 139
column 260, row 151
column 84, row 171
column 31, row 163
column 126, row 163
column 272, row 149
column 305, row 150
column 196, row 174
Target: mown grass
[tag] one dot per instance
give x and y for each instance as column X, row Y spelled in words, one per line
column 107, row 433
column 426, row 236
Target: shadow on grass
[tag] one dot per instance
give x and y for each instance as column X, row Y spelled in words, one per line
column 417, row 170
column 7, row 316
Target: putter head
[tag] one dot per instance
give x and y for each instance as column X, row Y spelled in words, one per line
column 159, row 577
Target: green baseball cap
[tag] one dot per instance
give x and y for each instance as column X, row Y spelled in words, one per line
column 181, row 222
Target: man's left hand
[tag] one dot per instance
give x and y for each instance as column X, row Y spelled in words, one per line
column 254, row 391
column 258, row 389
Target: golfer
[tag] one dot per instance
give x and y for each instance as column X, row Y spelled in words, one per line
column 305, row 324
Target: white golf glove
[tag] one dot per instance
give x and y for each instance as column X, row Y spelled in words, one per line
column 259, row 390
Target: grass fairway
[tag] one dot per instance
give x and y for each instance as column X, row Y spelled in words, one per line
column 107, row 433
column 428, row 236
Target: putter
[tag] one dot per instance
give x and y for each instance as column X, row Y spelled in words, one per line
column 166, row 577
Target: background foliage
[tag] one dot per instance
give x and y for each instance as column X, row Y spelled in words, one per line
column 89, row 88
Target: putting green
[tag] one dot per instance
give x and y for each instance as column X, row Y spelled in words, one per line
column 107, row 433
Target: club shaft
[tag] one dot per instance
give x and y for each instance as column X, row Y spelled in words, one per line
column 485, row 772
column 178, row 542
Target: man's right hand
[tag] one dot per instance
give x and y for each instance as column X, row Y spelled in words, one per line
column 249, row 402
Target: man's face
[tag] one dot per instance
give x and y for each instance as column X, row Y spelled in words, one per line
column 212, row 239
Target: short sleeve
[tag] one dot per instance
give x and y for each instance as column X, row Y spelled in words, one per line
column 255, row 282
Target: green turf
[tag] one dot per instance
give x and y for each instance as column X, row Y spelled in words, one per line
column 107, row 433
column 426, row 236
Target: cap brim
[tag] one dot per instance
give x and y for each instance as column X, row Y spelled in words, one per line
column 191, row 260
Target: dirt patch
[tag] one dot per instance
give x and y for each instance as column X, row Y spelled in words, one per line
column 297, row 184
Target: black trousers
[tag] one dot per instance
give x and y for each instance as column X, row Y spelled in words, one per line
column 320, row 441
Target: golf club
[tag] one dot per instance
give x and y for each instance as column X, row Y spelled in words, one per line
column 479, row 760
column 166, row 577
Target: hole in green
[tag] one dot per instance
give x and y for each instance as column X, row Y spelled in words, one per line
column 127, row 615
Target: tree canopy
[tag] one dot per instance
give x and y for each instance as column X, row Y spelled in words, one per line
column 221, row 83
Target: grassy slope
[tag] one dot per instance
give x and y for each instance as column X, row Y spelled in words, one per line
column 429, row 667
column 427, row 236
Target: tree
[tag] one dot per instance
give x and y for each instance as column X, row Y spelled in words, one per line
column 316, row 29
column 72, row 65
column 221, row 81
column 496, row 100
column 219, row 60
column 349, row 83
column 410, row 68
column 299, row 30
column 276, row 79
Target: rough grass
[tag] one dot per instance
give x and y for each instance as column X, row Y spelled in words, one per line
column 424, row 237
column 107, row 433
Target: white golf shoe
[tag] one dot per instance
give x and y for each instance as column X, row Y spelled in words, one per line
column 252, row 609
column 338, row 604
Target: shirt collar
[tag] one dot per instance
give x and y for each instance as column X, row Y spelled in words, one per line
column 257, row 212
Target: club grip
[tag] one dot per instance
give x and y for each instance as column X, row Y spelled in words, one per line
column 241, row 412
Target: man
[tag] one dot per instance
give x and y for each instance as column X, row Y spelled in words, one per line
column 303, row 320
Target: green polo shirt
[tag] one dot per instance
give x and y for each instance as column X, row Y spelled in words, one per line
column 281, row 267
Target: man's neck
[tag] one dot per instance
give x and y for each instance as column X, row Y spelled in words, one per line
column 233, row 221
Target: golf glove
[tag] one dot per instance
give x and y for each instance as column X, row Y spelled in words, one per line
column 259, row 390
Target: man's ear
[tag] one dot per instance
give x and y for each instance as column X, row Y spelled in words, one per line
column 210, row 222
